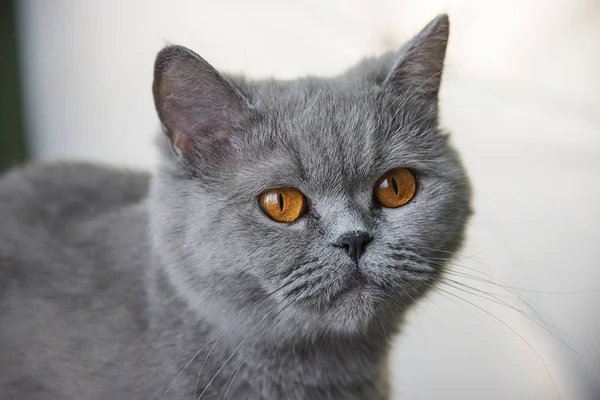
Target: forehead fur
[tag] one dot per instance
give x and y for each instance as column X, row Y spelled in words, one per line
column 340, row 133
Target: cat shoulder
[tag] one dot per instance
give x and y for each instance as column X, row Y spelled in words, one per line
column 53, row 216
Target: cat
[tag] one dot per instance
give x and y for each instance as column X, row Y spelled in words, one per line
column 272, row 255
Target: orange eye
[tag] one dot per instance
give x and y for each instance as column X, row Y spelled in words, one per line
column 283, row 204
column 395, row 188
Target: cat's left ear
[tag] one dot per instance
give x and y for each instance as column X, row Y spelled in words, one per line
column 418, row 70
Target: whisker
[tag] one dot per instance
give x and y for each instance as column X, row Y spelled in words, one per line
column 457, row 303
column 504, row 285
column 202, row 366
column 276, row 351
column 514, row 291
column 237, row 348
column 453, row 255
column 220, row 332
column 384, row 332
column 475, row 270
column 537, row 319
column 514, row 331
column 509, row 289
column 241, row 363
column 416, row 304
column 188, row 363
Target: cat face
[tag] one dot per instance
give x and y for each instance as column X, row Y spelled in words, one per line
column 347, row 260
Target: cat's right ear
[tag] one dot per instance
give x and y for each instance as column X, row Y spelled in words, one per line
column 201, row 112
column 420, row 64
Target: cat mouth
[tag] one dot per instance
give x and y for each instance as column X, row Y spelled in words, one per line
column 349, row 287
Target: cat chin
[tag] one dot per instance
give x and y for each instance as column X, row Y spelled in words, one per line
column 366, row 305
column 353, row 311
column 350, row 312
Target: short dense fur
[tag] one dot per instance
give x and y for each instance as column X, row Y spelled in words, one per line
column 118, row 285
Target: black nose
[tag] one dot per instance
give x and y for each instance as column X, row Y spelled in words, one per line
column 354, row 243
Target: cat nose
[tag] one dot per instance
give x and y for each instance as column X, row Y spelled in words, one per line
column 354, row 243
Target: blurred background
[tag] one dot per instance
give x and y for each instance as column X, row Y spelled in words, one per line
column 518, row 317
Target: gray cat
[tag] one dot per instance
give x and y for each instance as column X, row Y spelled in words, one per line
column 288, row 229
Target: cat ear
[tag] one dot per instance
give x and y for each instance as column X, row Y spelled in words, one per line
column 421, row 61
column 200, row 111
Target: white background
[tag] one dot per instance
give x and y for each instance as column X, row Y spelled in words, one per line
column 520, row 96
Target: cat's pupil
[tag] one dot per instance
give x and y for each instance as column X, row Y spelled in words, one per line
column 280, row 202
column 395, row 186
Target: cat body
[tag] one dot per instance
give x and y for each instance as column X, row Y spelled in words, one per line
column 96, row 324
column 121, row 285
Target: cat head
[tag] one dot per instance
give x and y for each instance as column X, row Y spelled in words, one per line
column 337, row 199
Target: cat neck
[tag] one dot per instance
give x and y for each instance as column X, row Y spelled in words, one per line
column 320, row 360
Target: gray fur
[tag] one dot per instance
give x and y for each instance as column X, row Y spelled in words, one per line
column 111, row 281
